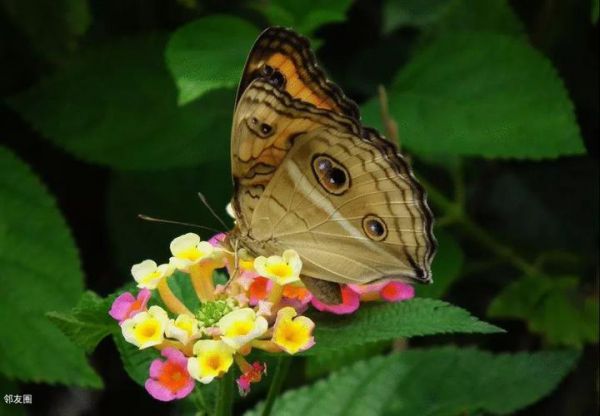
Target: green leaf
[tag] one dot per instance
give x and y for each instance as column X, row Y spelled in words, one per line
column 446, row 267
column 201, row 402
column 305, row 16
column 40, row 272
column 551, row 307
column 481, row 94
column 209, row 54
column 88, row 322
column 52, row 26
column 117, row 105
column 135, row 361
column 478, row 16
column 595, row 11
column 329, row 361
column 181, row 286
column 441, row 17
column 387, row 321
column 398, row 13
column 437, row 381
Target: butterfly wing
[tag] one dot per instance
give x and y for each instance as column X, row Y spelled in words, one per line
column 351, row 208
column 308, row 176
column 265, row 125
column 284, row 59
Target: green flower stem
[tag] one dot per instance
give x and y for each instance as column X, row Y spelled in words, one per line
column 283, row 366
column 225, row 395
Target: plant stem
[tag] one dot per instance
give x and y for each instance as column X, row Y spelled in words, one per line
column 225, row 395
column 476, row 232
column 283, row 366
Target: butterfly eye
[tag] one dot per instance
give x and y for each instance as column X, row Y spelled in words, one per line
column 260, row 129
column 331, row 174
column 374, row 227
column 277, row 79
column 265, row 128
column 266, row 70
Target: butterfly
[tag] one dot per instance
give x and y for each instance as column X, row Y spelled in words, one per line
column 309, row 176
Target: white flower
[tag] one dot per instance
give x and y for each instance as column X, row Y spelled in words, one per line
column 281, row 269
column 148, row 274
column 229, row 210
column 183, row 329
column 212, row 359
column 188, row 250
column 146, row 329
column 241, row 326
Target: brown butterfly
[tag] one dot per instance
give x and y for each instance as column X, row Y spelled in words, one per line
column 309, row 176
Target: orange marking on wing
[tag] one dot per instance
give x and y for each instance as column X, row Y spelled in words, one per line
column 294, row 84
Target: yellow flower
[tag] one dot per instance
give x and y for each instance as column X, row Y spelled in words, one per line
column 188, row 250
column 241, row 326
column 183, row 329
column 212, row 358
column 148, row 274
column 281, row 269
column 147, row 328
column 291, row 332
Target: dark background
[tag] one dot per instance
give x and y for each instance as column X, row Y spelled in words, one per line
column 568, row 187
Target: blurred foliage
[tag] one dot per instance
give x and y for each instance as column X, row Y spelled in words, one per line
column 40, row 271
column 496, row 102
column 552, row 308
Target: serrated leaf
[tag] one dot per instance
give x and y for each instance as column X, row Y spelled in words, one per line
column 116, row 105
column 135, row 361
column 209, row 54
column 326, row 362
column 40, row 272
column 387, row 321
column 305, row 16
column 88, row 322
column 481, row 94
column 446, row 267
column 437, row 381
column 551, row 307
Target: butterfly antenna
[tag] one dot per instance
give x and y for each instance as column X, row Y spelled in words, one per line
column 187, row 224
column 212, row 211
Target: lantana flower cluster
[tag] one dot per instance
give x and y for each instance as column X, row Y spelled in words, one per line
column 261, row 307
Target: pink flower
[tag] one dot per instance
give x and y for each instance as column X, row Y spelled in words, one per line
column 217, row 239
column 397, row 291
column 252, row 374
column 390, row 291
column 350, row 303
column 125, row 306
column 169, row 380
